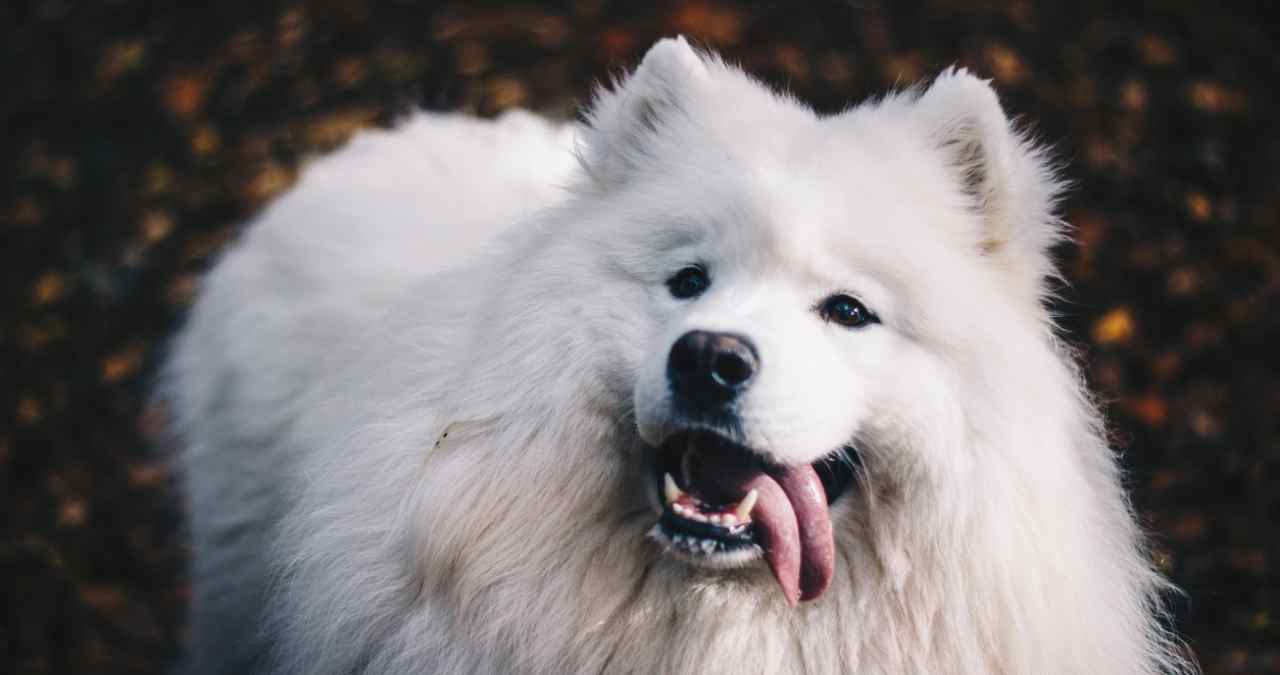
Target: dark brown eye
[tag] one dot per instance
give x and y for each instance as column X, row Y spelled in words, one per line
column 689, row 282
column 846, row 311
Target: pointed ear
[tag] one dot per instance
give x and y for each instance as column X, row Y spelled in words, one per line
column 1010, row 181
column 623, row 122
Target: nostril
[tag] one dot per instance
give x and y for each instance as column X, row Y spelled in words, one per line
column 685, row 355
column 731, row 369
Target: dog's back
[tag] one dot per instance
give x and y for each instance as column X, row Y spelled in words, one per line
column 281, row 308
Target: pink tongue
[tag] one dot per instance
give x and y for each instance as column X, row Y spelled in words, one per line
column 817, row 546
column 790, row 518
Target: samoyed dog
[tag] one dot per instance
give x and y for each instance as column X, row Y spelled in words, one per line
column 708, row 383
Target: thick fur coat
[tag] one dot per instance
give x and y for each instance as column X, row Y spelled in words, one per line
column 418, row 398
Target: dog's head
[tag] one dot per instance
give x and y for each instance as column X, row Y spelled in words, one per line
column 807, row 297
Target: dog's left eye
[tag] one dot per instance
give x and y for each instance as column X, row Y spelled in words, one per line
column 846, row 311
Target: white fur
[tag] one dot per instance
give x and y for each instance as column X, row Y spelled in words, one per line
column 433, row 438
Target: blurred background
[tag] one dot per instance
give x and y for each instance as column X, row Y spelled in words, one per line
column 137, row 136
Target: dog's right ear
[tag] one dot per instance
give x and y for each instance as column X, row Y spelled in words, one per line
column 625, row 122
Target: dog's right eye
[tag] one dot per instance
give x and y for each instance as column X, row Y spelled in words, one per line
column 689, row 282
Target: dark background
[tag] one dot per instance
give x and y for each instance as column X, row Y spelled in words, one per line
column 135, row 136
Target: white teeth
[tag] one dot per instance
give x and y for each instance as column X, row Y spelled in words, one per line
column 669, row 488
column 699, row 517
column 678, row 509
column 729, row 519
column 744, row 507
column 708, row 546
column 715, row 519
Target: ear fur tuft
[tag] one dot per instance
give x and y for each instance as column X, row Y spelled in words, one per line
column 1010, row 180
column 622, row 119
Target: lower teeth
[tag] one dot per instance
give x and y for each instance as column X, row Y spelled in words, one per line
column 696, row 545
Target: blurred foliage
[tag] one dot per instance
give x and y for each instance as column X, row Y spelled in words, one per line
column 137, row 136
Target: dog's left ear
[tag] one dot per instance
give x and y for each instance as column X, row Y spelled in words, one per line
column 1010, row 181
column 624, row 123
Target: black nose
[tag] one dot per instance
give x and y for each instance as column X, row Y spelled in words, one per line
column 709, row 369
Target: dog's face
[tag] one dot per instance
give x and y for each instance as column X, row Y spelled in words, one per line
column 777, row 346
column 806, row 292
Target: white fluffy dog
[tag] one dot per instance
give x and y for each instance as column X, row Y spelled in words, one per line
column 707, row 384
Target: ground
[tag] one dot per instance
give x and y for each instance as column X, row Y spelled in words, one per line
column 136, row 137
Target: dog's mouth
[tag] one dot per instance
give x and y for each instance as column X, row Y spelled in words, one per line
column 723, row 504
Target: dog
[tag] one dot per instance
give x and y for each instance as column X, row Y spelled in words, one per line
column 705, row 382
